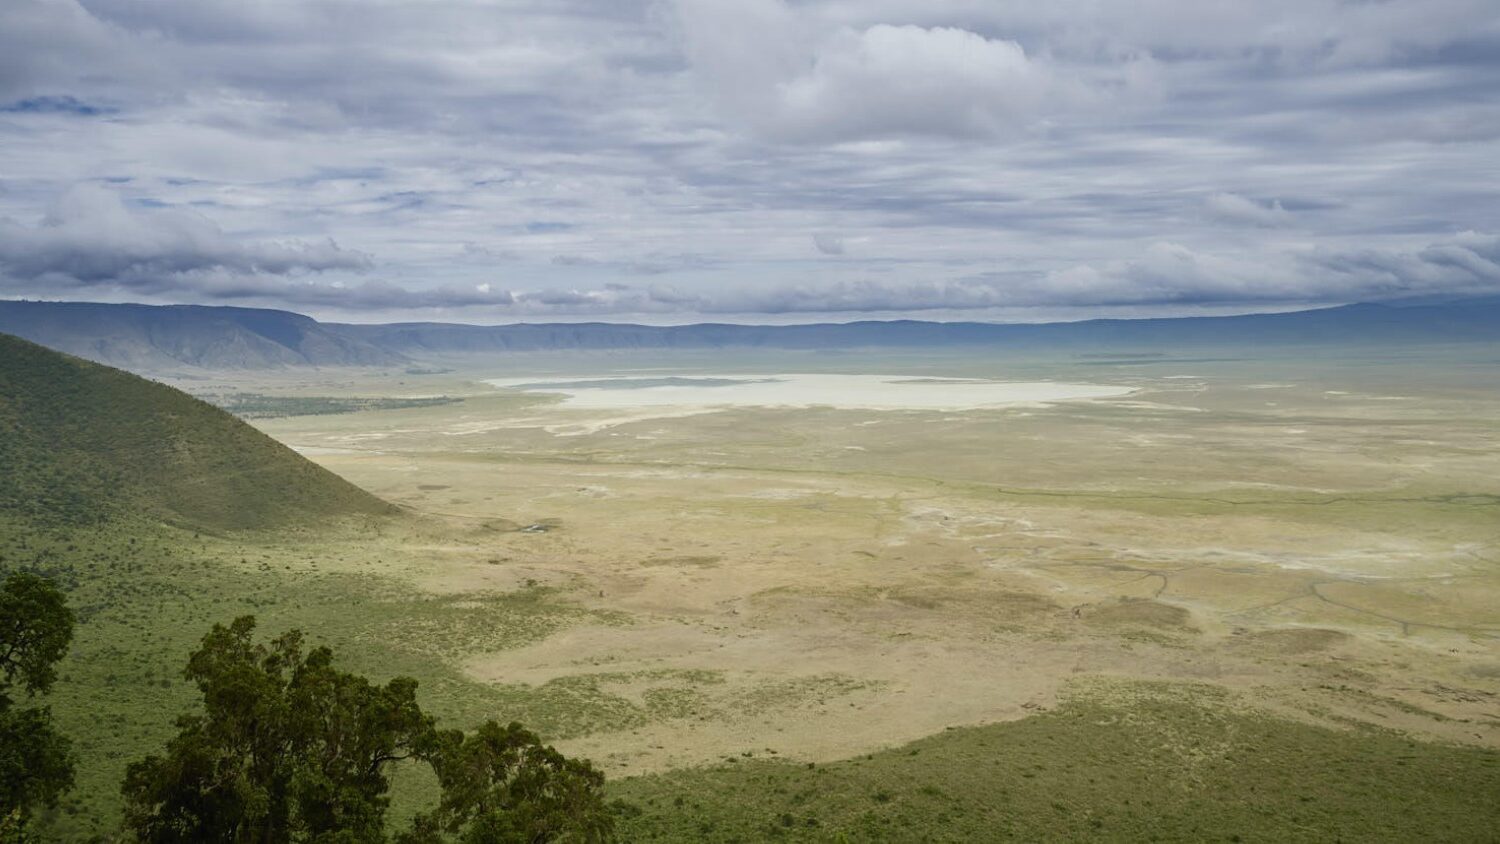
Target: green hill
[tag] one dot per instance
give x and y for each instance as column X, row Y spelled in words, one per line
column 83, row 443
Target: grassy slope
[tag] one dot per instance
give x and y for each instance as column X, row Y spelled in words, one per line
column 83, row 443
column 1177, row 763
column 107, row 479
column 146, row 594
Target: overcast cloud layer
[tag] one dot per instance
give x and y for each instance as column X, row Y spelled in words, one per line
column 756, row 160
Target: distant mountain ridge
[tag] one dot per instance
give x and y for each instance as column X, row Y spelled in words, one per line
column 171, row 337
column 82, row 443
column 1477, row 321
column 163, row 337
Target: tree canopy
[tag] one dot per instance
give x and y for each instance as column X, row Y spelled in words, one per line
column 500, row 784
column 289, row 748
column 36, row 764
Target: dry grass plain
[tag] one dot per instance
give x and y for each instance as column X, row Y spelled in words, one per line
column 1321, row 538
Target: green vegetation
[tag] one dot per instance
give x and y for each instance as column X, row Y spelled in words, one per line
column 501, row 784
column 133, row 497
column 69, row 461
column 1168, row 763
column 289, row 748
column 453, row 626
column 36, row 764
column 260, row 406
column 584, row 704
column 145, row 593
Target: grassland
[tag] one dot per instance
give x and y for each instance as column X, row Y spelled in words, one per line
column 1322, row 539
column 145, row 595
column 1131, row 763
column 1244, row 575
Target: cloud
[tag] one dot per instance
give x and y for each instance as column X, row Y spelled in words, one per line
column 1465, row 264
column 599, row 157
column 651, row 263
column 828, row 244
column 89, row 236
column 1163, row 274
column 54, row 105
column 91, row 240
column 48, row 47
column 1236, row 209
column 771, row 69
column 907, row 80
column 1168, row 273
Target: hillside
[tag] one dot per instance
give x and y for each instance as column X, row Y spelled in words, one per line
column 168, row 337
column 83, row 443
column 173, row 338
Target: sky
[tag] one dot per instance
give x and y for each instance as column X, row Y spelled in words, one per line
column 675, row 161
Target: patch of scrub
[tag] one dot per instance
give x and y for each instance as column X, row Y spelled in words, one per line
column 683, row 562
column 605, row 702
column 454, row 626
column 1141, row 612
column 1292, row 640
column 930, row 611
column 796, row 692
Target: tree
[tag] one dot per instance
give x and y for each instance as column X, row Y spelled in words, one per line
column 36, row 765
column 501, row 785
column 36, row 627
column 288, row 748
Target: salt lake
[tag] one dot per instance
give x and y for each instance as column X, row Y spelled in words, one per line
column 870, row 392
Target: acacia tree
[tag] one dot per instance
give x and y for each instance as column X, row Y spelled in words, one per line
column 36, row 765
column 501, row 784
column 288, row 748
